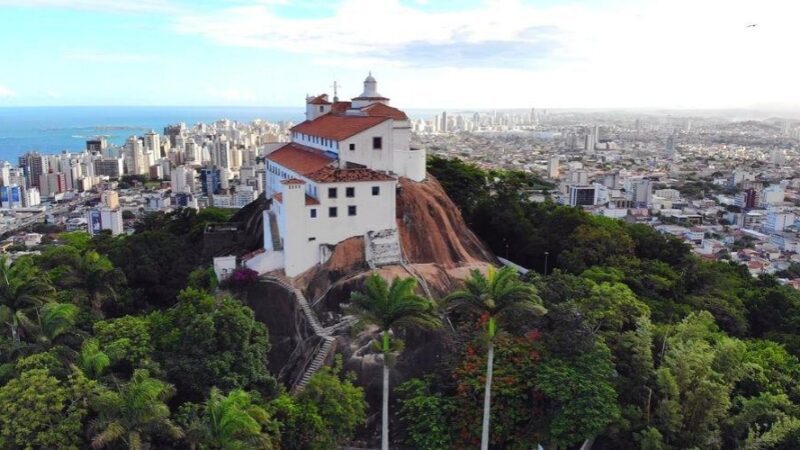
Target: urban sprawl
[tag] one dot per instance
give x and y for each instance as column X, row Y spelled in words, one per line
column 727, row 187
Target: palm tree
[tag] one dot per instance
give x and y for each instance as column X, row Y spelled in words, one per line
column 96, row 275
column 53, row 321
column 134, row 413
column 494, row 297
column 391, row 308
column 233, row 422
column 93, row 361
column 22, row 290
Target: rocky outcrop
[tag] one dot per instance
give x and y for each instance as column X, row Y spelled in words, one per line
column 432, row 229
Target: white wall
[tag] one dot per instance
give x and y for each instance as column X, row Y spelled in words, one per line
column 307, row 234
column 364, row 154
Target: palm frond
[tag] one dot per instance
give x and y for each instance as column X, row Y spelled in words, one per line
column 112, row 432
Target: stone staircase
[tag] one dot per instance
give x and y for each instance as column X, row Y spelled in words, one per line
column 326, row 335
column 277, row 245
column 322, row 352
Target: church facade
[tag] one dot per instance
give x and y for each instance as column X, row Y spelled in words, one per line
column 337, row 179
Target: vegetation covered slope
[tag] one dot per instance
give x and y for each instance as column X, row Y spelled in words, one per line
column 643, row 345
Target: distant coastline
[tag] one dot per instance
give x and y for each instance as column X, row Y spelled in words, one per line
column 52, row 129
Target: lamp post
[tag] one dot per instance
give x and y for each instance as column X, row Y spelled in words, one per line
column 546, row 254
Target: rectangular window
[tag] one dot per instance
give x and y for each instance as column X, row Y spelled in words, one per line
column 313, row 212
column 332, row 212
column 332, row 193
column 351, row 210
column 352, row 146
column 376, row 190
column 321, row 108
column 377, row 143
column 350, row 192
column 312, row 239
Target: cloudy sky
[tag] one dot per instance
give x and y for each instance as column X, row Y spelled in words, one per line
column 424, row 53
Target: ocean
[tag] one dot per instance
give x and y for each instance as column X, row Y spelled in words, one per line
column 53, row 129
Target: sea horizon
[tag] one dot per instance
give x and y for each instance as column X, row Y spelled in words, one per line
column 53, row 129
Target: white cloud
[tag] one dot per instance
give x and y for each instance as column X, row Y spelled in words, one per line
column 6, row 92
column 112, row 6
column 643, row 53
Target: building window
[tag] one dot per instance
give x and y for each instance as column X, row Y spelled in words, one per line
column 312, row 239
column 321, row 108
column 350, row 192
column 377, row 143
column 313, row 212
column 376, row 190
column 351, row 210
column 332, row 212
column 331, row 192
column 352, row 146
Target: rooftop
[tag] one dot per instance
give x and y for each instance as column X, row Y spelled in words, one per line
column 299, row 158
column 338, row 127
column 333, row 175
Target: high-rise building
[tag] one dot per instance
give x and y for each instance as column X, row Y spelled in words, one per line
column 178, row 178
column 641, row 192
column 12, row 196
column 553, row 167
column 152, row 143
column 210, row 180
column 110, row 199
column 109, row 167
column 670, row 146
column 135, row 163
column 34, row 166
column 581, row 195
column 99, row 219
column 97, row 145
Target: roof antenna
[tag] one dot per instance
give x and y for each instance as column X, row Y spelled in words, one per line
column 335, row 91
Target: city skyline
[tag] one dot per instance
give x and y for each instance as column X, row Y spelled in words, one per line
column 476, row 54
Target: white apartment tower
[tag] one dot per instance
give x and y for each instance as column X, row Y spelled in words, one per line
column 337, row 179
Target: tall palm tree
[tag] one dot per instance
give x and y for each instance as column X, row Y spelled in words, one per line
column 23, row 290
column 391, row 308
column 494, row 297
column 134, row 413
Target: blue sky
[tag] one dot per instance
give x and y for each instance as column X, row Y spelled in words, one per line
column 425, row 54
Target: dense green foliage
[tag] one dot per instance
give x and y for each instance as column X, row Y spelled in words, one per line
column 643, row 345
column 123, row 343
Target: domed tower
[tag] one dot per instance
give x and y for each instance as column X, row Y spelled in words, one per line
column 370, row 94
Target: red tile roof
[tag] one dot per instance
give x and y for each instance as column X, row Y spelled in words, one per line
column 310, row 201
column 338, row 127
column 319, row 100
column 381, row 110
column 299, row 158
column 334, row 175
column 340, row 107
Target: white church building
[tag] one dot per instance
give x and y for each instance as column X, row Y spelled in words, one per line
column 337, row 179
